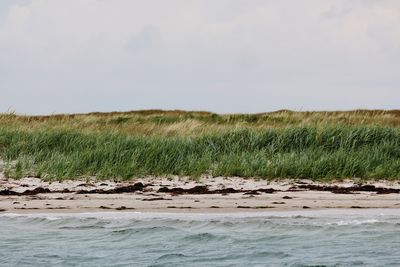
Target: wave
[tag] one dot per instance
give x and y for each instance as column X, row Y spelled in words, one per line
column 209, row 216
column 143, row 239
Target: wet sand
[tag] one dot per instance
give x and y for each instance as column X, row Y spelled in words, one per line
column 208, row 195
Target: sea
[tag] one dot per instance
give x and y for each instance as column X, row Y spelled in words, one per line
column 348, row 237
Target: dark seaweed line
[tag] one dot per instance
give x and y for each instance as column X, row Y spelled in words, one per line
column 200, row 189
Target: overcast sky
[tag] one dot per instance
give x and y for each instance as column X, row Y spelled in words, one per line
column 217, row 55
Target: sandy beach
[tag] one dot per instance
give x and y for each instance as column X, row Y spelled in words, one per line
column 219, row 195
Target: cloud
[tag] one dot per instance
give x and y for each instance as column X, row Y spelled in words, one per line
column 225, row 56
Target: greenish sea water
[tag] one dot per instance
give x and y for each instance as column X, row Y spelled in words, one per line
column 314, row 238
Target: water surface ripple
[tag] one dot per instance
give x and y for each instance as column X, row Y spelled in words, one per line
column 135, row 239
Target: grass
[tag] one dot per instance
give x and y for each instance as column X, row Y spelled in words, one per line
column 180, row 123
column 321, row 145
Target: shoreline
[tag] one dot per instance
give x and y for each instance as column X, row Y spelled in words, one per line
column 317, row 213
column 180, row 195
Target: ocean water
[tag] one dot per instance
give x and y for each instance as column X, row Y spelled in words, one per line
column 314, row 238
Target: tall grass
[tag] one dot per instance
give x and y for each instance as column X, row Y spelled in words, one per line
column 180, row 123
column 367, row 152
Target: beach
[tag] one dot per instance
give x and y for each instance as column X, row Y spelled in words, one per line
column 207, row 221
column 184, row 195
column 199, row 133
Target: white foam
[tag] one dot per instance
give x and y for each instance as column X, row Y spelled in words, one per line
column 356, row 222
column 324, row 213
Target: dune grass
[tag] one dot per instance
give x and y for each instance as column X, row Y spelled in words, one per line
column 160, row 123
column 362, row 144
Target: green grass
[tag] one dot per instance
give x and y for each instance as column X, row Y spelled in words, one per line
column 311, row 151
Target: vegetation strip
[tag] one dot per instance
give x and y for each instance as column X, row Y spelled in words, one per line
column 320, row 146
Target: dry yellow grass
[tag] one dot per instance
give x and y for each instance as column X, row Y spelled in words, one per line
column 183, row 123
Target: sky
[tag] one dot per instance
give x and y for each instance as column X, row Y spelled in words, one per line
column 225, row 56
